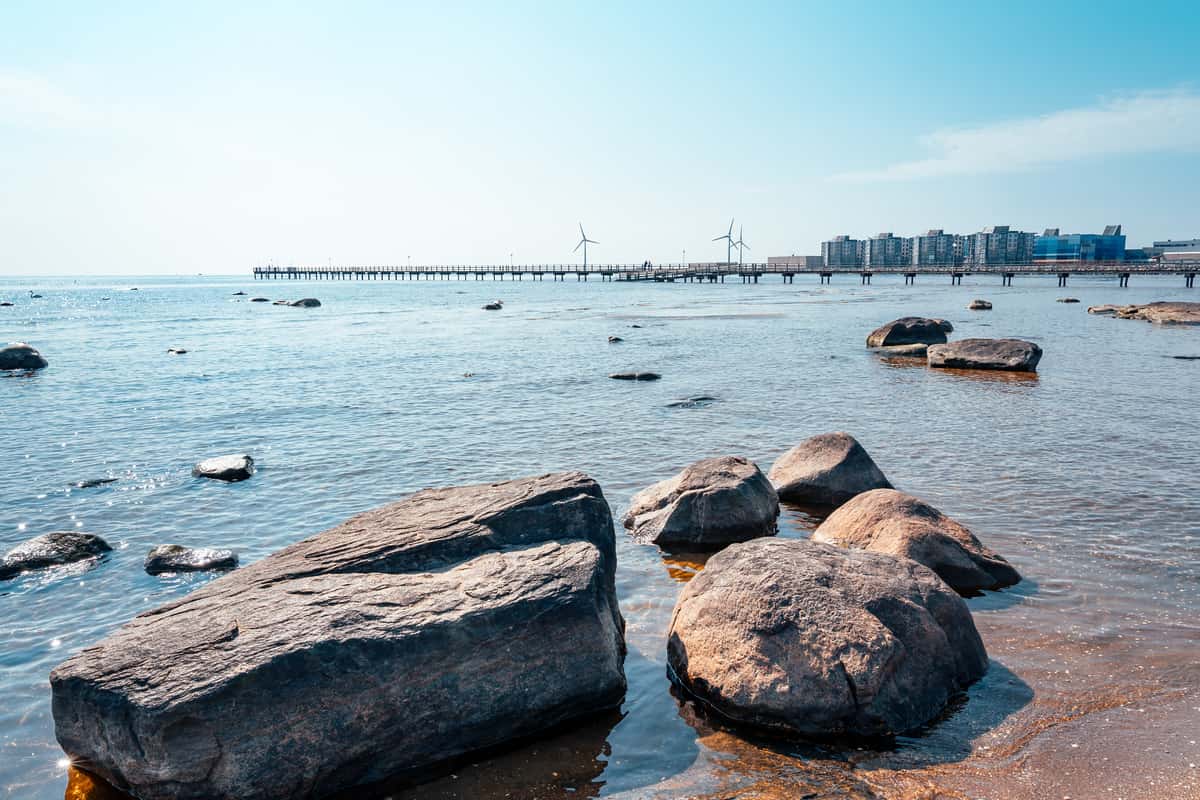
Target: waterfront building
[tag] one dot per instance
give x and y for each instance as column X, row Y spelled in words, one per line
column 799, row 262
column 935, row 248
column 842, row 251
column 998, row 245
column 1053, row 247
column 886, row 250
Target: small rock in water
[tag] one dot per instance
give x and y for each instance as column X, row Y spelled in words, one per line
column 496, row 306
column 826, row 470
column 94, row 482
column 908, row 330
column 699, row 401
column 1068, row 299
column 260, row 300
column 635, row 326
column 19, row 355
column 1187, row 358
column 1013, row 355
column 903, row 350
column 5, row 304
column 709, row 505
column 51, row 550
column 635, row 376
column 176, row 351
column 615, row 339
column 225, row 468
column 238, row 294
column 979, row 305
column 177, row 558
column 281, row 303
column 307, row 302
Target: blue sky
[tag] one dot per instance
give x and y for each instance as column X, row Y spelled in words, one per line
column 158, row 138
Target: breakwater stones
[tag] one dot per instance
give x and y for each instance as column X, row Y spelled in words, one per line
column 635, row 376
column 898, row 524
column 826, row 470
column 225, row 468
column 445, row 624
column 802, row 638
column 709, row 505
column 1013, row 355
column 1161, row 313
column 910, row 330
column 51, row 550
column 20, row 356
column 177, row 558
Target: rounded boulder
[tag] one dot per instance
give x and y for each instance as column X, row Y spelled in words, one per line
column 826, row 470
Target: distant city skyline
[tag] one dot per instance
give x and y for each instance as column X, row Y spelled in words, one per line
column 212, row 139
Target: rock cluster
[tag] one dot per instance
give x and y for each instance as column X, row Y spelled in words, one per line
column 1161, row 313
column 826, row 470
column 1014, row 355
column 437, row 627
column 710, row 504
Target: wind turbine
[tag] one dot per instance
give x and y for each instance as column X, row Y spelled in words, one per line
column 741, row 245
column 728, row 237
column 583, row 242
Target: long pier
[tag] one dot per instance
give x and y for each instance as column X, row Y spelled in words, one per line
column 717, row 273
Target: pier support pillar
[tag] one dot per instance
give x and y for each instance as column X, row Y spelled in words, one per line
column 910, row 278
column 1062, row 278
column 1189, row 280
column 1123, row 279
column 956, row 278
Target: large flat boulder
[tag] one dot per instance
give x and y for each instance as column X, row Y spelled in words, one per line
column 887, row 521
column 177, row 558
column 237, row 467
column 826, row 470
column 19, row 355
column 1162, row 313
column 442, row 625
column 51, row 550
column 804, row 638
column 709, row 505
column 1014, row 355
column 909, row 330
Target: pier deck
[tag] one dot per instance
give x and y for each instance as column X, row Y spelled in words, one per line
column 710, row 273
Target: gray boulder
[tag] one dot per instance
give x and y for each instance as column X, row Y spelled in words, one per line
column 945, row 325
column 908, row 330
column 898, row 524
column 826, row 470
column 635, row 376
column 495, row 306
column 177, row 558
column 440, row 626
column 979, row 305
column 51, row 550
column 712, row 503
column 225, row 468
column 19, row 355
column 1015, row 355
column 803, row 638
column 306, row 302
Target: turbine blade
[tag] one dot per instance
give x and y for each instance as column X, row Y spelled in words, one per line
column 581, row 233
column 577, row 247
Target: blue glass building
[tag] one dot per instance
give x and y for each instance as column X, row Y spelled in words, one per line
column 1052, row 247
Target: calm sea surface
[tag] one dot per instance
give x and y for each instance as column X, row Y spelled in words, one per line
column 1086, row 477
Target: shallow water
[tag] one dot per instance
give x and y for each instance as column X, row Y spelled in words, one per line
column 1085, row 477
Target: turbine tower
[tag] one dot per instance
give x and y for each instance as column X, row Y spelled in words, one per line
column 728, row 237
column 583, row 242
column 740, row 245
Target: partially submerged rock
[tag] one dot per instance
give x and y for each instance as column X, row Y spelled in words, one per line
column 20, row 356
column 177, row 558
column 1068, row 300
column 260, row 300
column 239, row 294
column 92, row 483
column 699, row 401
column 908, row 330
column 1015, row 355
column 495, row 306
column 710, row 504
column 5, row 304
column 1161, row 313
column 898, row 524
column 826, row 470
column 231, row 468
column 446, row 624
column 51, row 550
column 615, row 339
column 635, row 376
column 802, row 638
column 282, row 303
column 903, row 350
column 980, row 305
column 306, row 302
column 176, row 351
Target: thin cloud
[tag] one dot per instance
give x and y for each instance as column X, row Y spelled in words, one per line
column 1147, row 122
column 33, row 101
